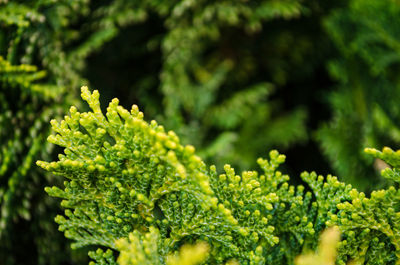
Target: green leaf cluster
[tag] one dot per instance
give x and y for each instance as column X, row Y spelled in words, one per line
column 206, row 84
column 42, row 55
column 124, row 175
column 215, row 73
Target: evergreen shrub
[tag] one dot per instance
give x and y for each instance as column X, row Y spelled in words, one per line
column 130, row 186
column 233, row 79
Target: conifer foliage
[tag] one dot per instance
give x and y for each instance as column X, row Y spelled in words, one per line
column 129, row 181
column 207, row 82
column 42, row 54
column 201, row 63
column 34, row 76
column 365, row 103
column 26, row 105
column 229, row 77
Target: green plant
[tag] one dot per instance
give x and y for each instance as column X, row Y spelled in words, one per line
column 42, row 55
column 230, row 77
column 124, row 175
column 365, row 101
column 142, row 249
column 210, row 86
column 44, row 46
column 201, row 73
column 26, row 104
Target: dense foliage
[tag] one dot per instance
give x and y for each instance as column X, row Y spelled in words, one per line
column 124, row 175
column 39, row 73
column 317, row 80
column 365, row 104
column 206, row 84
column 23, row 140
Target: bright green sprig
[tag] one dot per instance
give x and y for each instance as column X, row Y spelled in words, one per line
column 140, row 249
column 102, row 257
column 127, row 175
column 126, row 169
column 370, row 225
column 130, row 182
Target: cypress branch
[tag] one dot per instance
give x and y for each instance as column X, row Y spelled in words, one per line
column 126, row 178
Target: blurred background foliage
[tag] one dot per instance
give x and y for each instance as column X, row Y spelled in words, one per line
column 318, row 80
column 364, row 101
